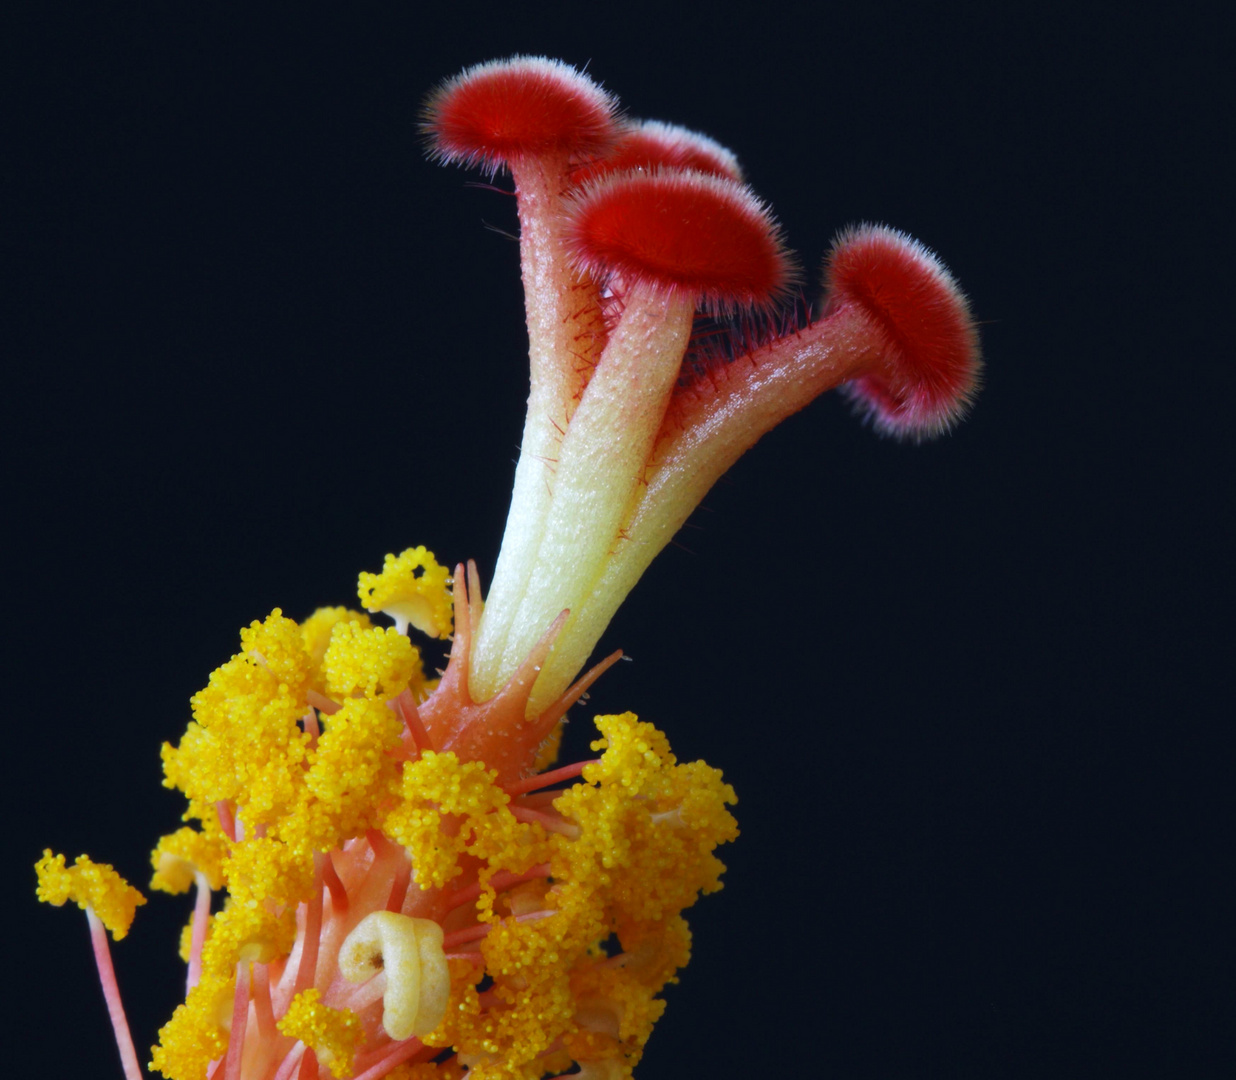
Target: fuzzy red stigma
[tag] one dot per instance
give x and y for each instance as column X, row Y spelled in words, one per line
column 684, row 233
column 931, row 365
column 649, row 144
column 494, row 113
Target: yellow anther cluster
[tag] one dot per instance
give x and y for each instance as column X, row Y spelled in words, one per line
column 247, row 748
column 412, row 588
column 276, row 787
column 186, row 852
column 89, row 885
column 195, row 1036
column 334, row 1034
column 316, row 631
column 646, row 830
column 278, row 645
column 371, row 662
column 245, row 744
column 649, row 815
column 438, row 790
column 351, row 774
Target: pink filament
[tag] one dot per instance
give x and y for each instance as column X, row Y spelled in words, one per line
column 405, row 708
column 330, row 878
column 111, row 994
column 549, row 822
column 534, row 783
column 201, row 913
column 227, row 819
column 262, row 1007
column 399, row 1053
column 309, row 1065
column 289, row 1063
column 399, row 888
column 501, row 881
column 462, row 937
column 472, row 933
column 312, row 728
column 312, row 937
column 322, row 702
column 240, row 1018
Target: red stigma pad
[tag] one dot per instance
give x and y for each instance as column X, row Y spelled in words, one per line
column 681, row 232
column 931, row 357
column 527, row 106
column 651, row 144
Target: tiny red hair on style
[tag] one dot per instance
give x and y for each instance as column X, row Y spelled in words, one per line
column 503, row 110
column 930, row 369
column 651, row 144
column 683, row 233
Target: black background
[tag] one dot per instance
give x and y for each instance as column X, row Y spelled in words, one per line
column 972, row 694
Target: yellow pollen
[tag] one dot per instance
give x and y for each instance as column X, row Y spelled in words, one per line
column 412, row 588
column 91, row 885
column 334, row 1034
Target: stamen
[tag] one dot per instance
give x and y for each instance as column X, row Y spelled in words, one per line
column 549, row 822
column 311, row 940
column 462, row 937
column 201, row 917
column 330, row 878
column 397, row 1055
column 321, row 702
column 383, row 848
column 311, row 726
column 227, row 819
column 453, row 687
column 545, row 779
column 240, row 1019
column 111, row 994
column 399, row 887
column 365, row 994
column 389, row 874
column 262, row 1006
column 577, row 690
column 290, row 1063
column 404, row 706
column 476, row 605
column 538, row 800
column 500, row 882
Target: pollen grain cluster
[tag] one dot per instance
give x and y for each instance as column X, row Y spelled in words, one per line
column 555, row 915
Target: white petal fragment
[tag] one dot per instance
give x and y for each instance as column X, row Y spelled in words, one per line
column 409, row 951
